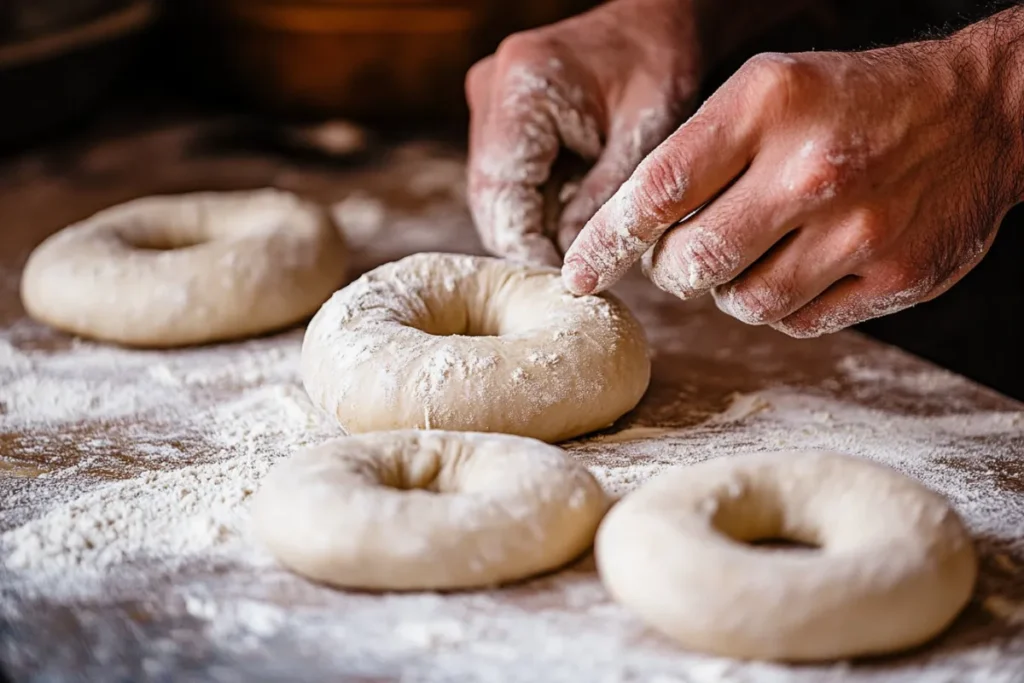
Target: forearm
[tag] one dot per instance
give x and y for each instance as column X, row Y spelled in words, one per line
column 991, row 53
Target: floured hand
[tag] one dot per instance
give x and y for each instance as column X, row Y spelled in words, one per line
column 814, row 191
column 608, row 85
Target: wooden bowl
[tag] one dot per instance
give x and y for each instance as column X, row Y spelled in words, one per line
column 375, row 59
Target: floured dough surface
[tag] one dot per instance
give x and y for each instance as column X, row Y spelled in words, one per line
column 427, row 510
column 468, row 343
column 186, row 269
column 892, row 568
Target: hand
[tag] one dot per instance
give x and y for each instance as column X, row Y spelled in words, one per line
column 828, row 188
column 608, row 85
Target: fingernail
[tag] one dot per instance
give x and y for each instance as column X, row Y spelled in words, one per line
column 578, row 277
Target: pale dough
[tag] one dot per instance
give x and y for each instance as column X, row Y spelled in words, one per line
column 469, row 343
column 895, row 564
column 427, row 510
column 186, row 269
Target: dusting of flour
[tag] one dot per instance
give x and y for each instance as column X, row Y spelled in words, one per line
column 125, row 479
column 103, row 499
column 113, row 518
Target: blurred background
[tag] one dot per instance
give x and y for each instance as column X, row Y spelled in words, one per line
column 323, row 76
column 384, row 62
column 387, row 62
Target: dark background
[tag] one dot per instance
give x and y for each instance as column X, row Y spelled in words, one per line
column 399, row 72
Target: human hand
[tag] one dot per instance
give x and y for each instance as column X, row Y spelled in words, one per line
column 828, row 188
column 607, row 85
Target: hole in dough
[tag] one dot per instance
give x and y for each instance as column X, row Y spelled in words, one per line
column 467, row 330
column 423, row 473
column 159, row 240
column 783, row 545
column 471, row 332
column 473, row 319
column 753, row 514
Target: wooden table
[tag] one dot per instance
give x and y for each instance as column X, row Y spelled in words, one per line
column 160, row 450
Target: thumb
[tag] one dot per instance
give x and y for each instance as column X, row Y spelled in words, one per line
column 628, row 143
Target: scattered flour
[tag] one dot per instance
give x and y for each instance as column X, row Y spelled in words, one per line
column 239, row 407
column 125, row 478
column 82, row 538
column 930, row 379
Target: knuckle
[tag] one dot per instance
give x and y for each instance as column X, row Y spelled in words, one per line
column 775, row 76
column 816, row 320
column 524, row 47
column 662, row 268
column 597, row 247
column 759, row 302
column 477, row 77
column 894, row 287
column 707, row 258
column 907, row 281
column 688, row 262
column 868, row 234
column 525, row 65
column 661, row 186
column 815, row 179
column 763, row 303
column 817, row 173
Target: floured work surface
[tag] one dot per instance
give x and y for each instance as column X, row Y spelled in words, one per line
column 125, row 475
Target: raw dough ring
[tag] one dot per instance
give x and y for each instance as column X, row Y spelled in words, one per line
column 187, row 269
column 894, row 569
column 427, row 510
column 468, row 343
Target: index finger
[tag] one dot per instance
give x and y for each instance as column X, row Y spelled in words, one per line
column 689, row 168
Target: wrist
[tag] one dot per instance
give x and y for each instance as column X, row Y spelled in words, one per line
column 989, row 57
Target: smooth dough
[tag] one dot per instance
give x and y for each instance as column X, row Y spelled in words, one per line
column 427, row 510
column 186, row 269
column 468, row 343
column 893, row 569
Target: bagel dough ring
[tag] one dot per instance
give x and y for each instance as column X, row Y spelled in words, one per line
column 427, row 510
column 186, row 269
column 893, row 569
column 470, row 343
